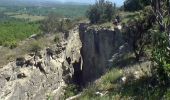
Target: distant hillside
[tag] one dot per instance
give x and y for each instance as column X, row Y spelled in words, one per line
column 42, row 3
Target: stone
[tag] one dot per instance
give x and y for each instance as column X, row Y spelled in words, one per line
column 33, row 76
column 20, row 61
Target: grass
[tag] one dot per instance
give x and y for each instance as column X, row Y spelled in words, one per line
column 71, row 90
column 108, row 82
column 107, row 25
column 11, row 32
column 2, row 9
column 24, row 47
column 145, row 88
column 134, row 90
column 31, row 18
column 11, row 13
column 126, row 16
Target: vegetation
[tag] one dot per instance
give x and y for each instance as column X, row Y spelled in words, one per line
column 35, row 46
column 30, row 18
column 161, row 41
column 71, row 90
column 148, row 27
column 54, row 23
column 113, row 89
column 69, row 11
column 19, row 22
column 11, row 32
column 134, row 5
column 102, row 11
column 106, row 83
column 138, row 33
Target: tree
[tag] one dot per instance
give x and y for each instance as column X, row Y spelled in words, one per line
column 50, row 24
column 55, row 23
column 102, row 11
column 137, row 33
column 161, row 43
column 134, row 5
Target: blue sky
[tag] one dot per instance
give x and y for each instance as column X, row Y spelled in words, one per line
column 118, row 2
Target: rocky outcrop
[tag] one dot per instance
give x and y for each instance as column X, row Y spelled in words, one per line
column 84, row 56
column 98, row 47
column 40, row 75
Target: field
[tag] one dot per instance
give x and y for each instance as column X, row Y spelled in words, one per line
column 31, row 18
column 18, row 23
column 14, row 31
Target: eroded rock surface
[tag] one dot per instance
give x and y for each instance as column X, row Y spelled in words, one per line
column 98, row 47
column 36, row 76
column 84, row 56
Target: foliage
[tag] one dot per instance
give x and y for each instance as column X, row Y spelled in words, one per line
column 35, row 46
column 69, row 11
column 109, row 78
column 141, row 89
column 71, row 90
column 56, row 39
column 101, row 11
column 50, row 96
column 137, row 31
column 161, row 41
column 55, row 23
column 107, row 82
column 11, row 32
column 134, row 5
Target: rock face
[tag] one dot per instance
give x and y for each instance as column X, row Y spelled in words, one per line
column 39, row 75
column 84, row 56
column 98, row 47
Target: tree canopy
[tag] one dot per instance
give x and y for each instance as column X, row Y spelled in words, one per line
column 101, row 11
column 134, row 5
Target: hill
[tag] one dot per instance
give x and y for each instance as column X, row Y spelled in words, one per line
column 40, row 3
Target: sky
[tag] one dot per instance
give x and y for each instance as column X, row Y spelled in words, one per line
column 118, row 2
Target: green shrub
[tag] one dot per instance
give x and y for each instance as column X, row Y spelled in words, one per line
column 71, row 90
column 102, row 11
column 35, row 46
column 134, row 5
column 55, row 23
column 56, row 39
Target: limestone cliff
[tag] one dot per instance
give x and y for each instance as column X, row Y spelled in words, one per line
column 98, row 47
column 83, row 57
column 38, row 76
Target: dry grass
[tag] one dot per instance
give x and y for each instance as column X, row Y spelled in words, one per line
column 31, row 18
column 108, row 25
column 28, row 17
column 11, row 13
column 8, row 55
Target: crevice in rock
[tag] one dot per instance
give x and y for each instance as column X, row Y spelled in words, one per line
column 8, row 78
column 42, row 70
column 20, row 61
column 68, row 60
column 21, row 76
column 77, row 76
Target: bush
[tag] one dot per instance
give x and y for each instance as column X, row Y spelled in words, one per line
column 35, row 47
column 102, row 11
column 134, row 5
column 55, row 23
column 161, row 42
column 56, row 39
column 138, row 33
column 71, row 90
